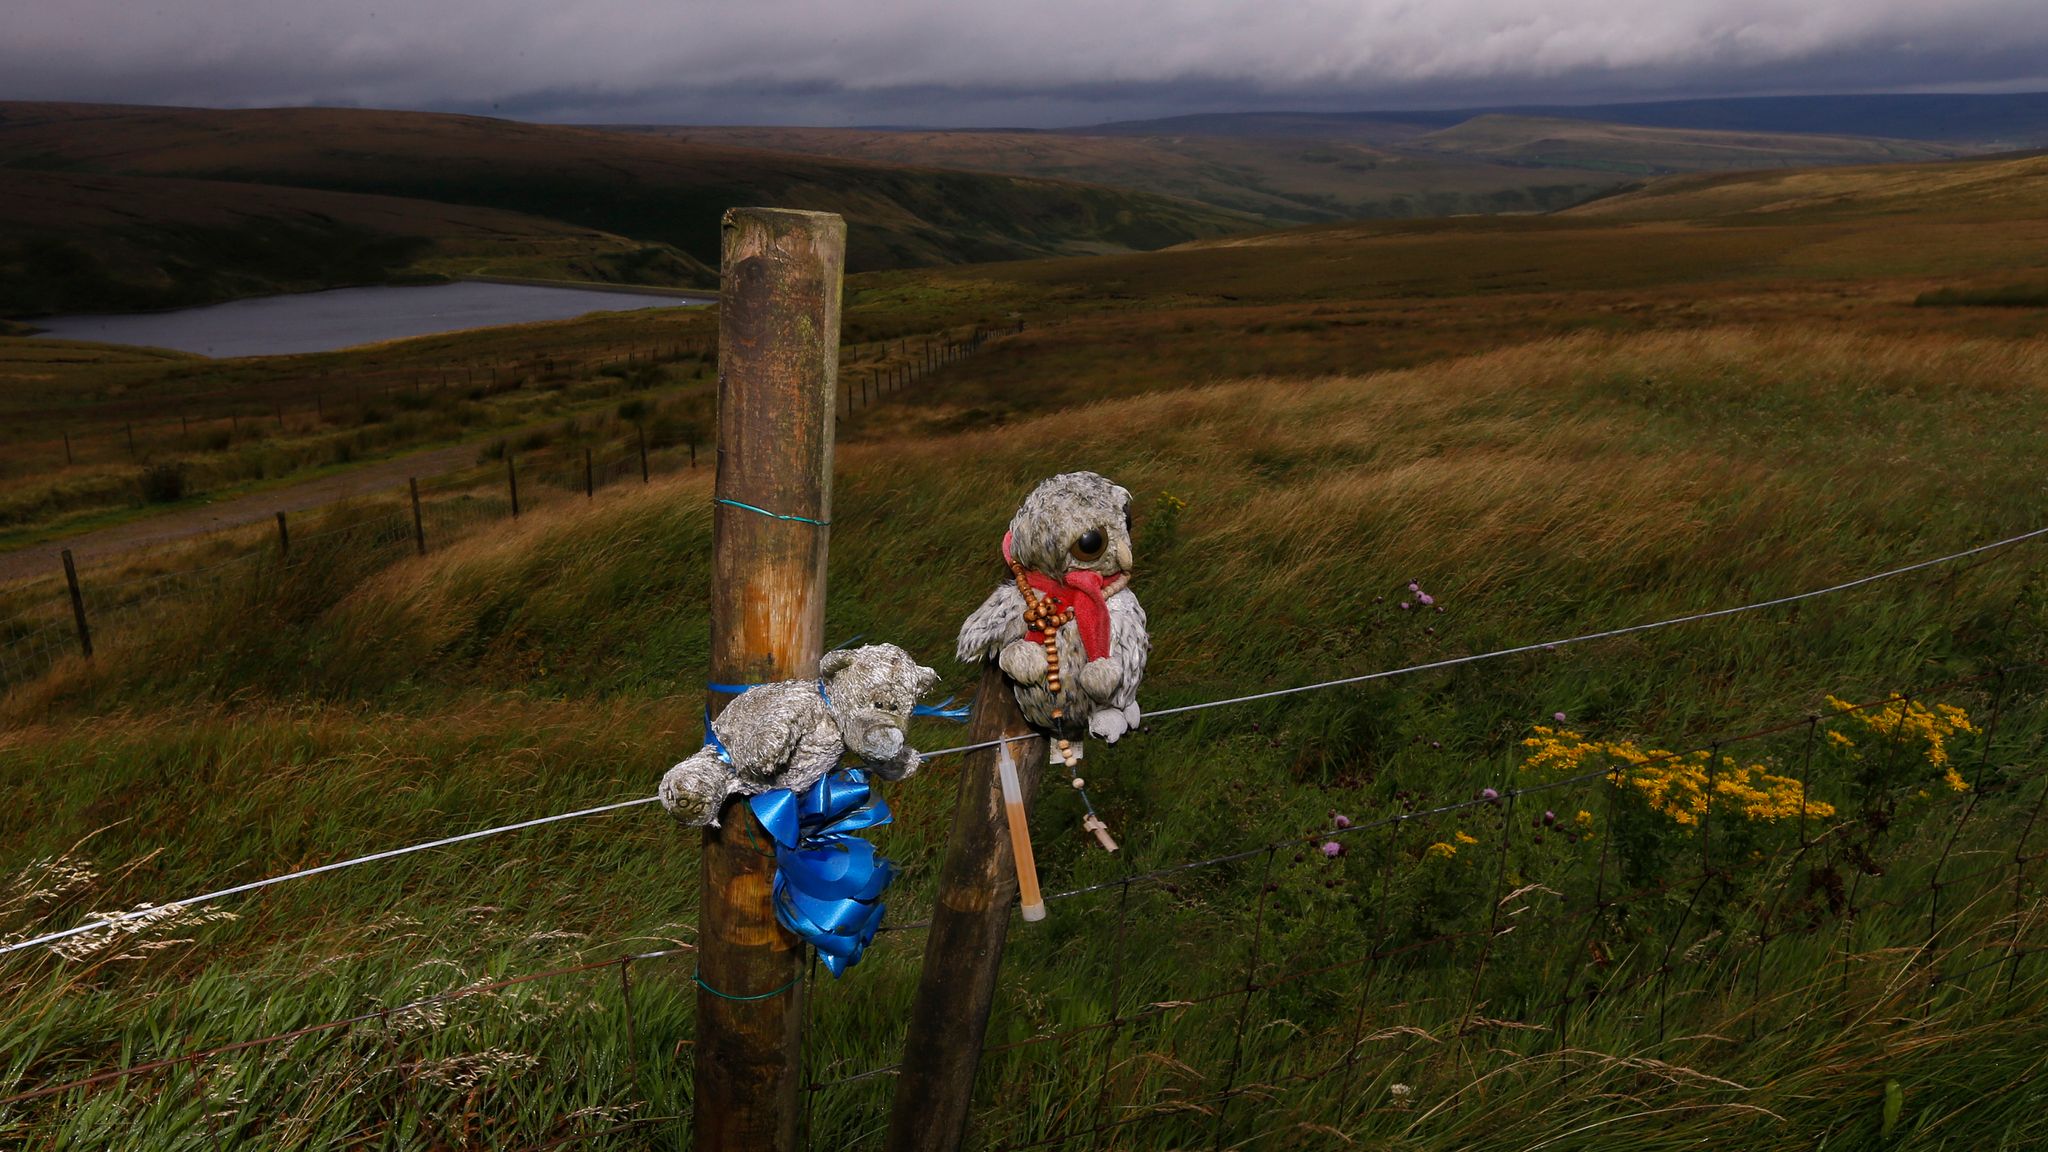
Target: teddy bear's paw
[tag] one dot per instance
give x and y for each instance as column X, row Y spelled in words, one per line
column 1023, row 661
column 694, row 790
column 902, row 767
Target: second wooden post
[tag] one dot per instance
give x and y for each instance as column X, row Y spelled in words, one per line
column 964, row 948
column 777, row 378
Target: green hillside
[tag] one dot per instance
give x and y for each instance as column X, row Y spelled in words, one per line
column 1278, row 179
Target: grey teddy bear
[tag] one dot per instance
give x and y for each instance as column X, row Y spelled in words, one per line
column 791, row 733
column 1069, row 548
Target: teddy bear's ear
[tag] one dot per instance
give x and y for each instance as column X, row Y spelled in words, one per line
column 834, row 662
column 926, row 679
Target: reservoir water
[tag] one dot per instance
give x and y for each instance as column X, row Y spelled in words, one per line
column 345, row 317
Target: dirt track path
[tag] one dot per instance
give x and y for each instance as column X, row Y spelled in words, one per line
column 101, row 543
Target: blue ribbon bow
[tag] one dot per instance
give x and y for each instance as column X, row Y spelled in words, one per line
column 828, row 881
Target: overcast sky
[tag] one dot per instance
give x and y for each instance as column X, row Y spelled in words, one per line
column 981, row 62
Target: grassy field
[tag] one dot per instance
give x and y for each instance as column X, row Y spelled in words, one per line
column 1627, row 148
column 90, row 429
column 1551, row 426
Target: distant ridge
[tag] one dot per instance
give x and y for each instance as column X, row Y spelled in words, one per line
column 2017, row 120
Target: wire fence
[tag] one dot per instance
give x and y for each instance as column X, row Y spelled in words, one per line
column 138, row 432
column 1318, row 968
column 1285, row 971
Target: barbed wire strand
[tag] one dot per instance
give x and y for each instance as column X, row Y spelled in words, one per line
column 152, row 910
column 1063, row 1036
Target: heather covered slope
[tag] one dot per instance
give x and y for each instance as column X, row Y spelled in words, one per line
column 654, row 191
column 73, row 242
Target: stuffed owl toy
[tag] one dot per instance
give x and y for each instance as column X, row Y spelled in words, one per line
column 792, row 733
column 1067, row 630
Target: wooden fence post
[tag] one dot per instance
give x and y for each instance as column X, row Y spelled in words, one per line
column 512, row 484
column 77, row 605
column 779, row 276
column 284, row 538
column 971, row 919
column 67, row 449
column 589, row 477
column 642, row 430
column 419, row 530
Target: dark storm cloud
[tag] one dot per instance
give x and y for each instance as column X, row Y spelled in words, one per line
column 976, row 62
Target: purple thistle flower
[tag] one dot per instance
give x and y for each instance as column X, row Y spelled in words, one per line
column 1557, row 716
column 1341, row 820
column 1405, row 605
column 1414, row 587
column 1488, row 794
column 1425, row 598
column 1549, row 817
column 1332, row 849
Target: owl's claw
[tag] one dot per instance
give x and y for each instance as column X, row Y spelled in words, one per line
column 1107, row 724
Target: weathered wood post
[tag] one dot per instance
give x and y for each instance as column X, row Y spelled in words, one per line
column 419, row 529
column 77, row 605
column 284, row 538
column 512, row 484
column 964, row 948
column 778, row 378
column 641, row 431
column 589, row 477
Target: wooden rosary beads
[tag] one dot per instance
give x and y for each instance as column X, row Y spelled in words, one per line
column 1045, row 615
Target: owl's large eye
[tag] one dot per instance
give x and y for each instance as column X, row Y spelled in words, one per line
column 1089, row 545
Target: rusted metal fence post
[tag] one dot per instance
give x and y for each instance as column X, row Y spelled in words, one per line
column 778, row 377
column 77, row 605
column 964, row 948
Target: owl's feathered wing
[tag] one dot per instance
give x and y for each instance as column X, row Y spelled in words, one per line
column 999, row 620
column 1129, row 646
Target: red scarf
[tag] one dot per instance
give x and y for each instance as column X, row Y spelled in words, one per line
column 1080, row 590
